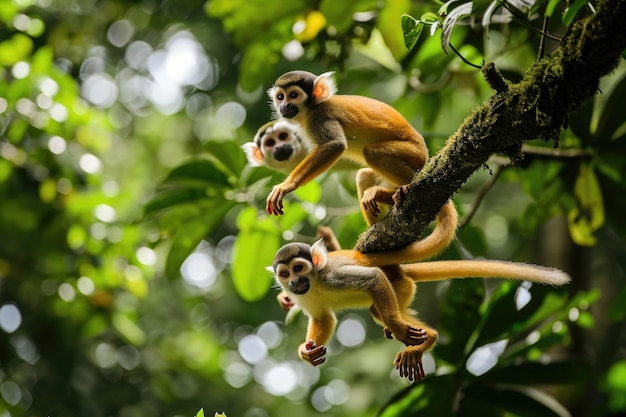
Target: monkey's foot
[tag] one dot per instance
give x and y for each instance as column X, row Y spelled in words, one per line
column 312, row 353
column 409, row 364
column 400, row 193
column 410, row 336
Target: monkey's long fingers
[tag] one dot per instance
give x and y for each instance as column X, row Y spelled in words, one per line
column 400, row 193
column 284, row 301
column 275, row 201
column 313, row 354
column 409, row 364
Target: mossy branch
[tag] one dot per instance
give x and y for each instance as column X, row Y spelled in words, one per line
column 536, row 107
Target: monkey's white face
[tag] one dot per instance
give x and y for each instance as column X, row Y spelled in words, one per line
column 279, row 143
column 289, row 101
column 296, row 275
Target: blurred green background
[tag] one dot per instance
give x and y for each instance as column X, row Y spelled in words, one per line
column 134, row 238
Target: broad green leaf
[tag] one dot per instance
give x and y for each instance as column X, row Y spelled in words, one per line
column 200, row 413
column 572, row 11
column 588, row 215
column 198, row 172
column 412, row 29
column 312, row 192
column 340, row 13
column 378, row 51
column 229, row 154
column 518, row 400
column 433, row 396
column 460, row 315
column 563, row 371
column 174, row 197
column 188, row 237
column 611, row 118
column 387, row 24
column 551, row 7
column 254, row 249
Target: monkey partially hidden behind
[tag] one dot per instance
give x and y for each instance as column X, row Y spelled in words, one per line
column 277, row 145
column 322, row 283
column 367, row 131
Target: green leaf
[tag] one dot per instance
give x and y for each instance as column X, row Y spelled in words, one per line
column 200, row 413
column 229, row 154
column 551, row 7
column 433, row 396
column 518, row 400
column 254, row 249
column 565, row 371
column 312, row 192
column 588, row 215
column 188, row 237
column 572, row 11
column 459, row 317
column 198, row 172
column 412, row 29
column 174, row 197
column 612, row 118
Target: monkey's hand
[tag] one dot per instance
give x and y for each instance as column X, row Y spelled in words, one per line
column 284, row 301
column 400, row 193
column 409, row 364
column 275, row 199
column 311, row 353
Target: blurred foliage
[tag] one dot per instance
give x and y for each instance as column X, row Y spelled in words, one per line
column 132, row 276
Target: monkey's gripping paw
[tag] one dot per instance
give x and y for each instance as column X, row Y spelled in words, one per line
column 312, row 353
column 275, row 201
column 368, row 201
column 409, row 364
column 284, row 301
column 410, row 335
column 400, row 193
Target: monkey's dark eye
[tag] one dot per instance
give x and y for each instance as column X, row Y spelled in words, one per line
column 280, row 96
column 298, row 268
column 283, row 136
column 270, row 142
column 284, row 273
column 293, row 95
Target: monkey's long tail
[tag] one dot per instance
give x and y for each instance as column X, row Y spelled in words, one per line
column 431, row 245
column 442, row 270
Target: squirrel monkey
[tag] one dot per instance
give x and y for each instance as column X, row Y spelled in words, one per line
column 322, row 283
column 276, row 145
column 364, row 130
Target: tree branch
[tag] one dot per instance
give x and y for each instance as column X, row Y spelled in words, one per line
column 536, row 107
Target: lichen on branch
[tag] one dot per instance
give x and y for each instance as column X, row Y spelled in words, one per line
column 537, row 107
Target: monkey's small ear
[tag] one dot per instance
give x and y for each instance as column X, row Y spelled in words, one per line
column 253, row 154
column 319, row 254
column 270, row 270
column 324, row 87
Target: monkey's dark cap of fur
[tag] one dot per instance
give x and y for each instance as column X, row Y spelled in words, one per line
column 303, row 79
column 290, row 251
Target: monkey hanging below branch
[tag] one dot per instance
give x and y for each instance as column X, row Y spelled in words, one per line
column 322, row 283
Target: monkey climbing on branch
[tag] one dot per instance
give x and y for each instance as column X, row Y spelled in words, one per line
column 322, row 283
column 364, row 130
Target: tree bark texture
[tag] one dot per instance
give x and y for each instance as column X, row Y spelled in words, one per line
column 536, row 107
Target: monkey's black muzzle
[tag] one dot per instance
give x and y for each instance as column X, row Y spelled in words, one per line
column 288, row 110
column 283, row 153
column 299, row 286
